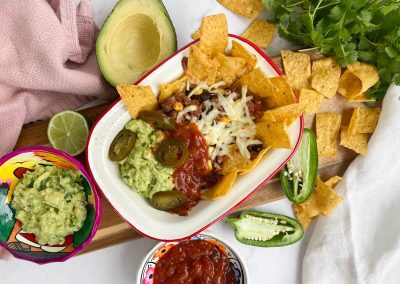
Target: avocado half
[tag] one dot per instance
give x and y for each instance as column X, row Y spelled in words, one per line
column 136, row 36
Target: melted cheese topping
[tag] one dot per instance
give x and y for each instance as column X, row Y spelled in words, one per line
column 224, row 122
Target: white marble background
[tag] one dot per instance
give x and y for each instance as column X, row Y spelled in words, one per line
column 118, row 264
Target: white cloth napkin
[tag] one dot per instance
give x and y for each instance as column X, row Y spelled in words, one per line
column 360, row 242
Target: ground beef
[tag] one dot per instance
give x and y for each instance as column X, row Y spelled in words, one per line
column 168, row 105
column 254, row 150
column 255, row 106
column 211, row 179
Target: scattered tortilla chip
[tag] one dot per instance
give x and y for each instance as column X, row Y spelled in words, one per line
column 137, row 98
column 257, row 83
column 297, row 68
column 201, row 67
column 333, row 181
column 327, row 126
column 221, row 188
column 287, row 114
column 239, row 50
column 364, row 120
column 349, row 85
column 236, row 161
column 260, row 32
column 284, row 94
column 311, row 99
column 274, row 134
column 323, row 201
column 196, row 34
column 246, row 8
column 167, row 90
column 213, row 34
column 325, row 76
column 357, row 142
column 367, row 73
column 229, row 68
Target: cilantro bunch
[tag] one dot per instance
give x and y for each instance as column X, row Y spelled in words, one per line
column 364, row 30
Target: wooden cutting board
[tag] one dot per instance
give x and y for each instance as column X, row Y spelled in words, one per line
column 114, row 230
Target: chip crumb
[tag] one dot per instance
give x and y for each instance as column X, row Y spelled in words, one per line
column 325, row 76
column 260, row 32
column 327, row 128
column 311, row 99
column 364, row 120
column 357, row 142
column 246, row 8
column 137, row 98
column 297, row 68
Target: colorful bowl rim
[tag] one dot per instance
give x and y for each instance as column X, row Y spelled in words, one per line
column 93, row 186
column 208, row 233
column 276, row 69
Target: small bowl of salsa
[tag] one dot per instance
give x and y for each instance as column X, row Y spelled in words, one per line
column 202, row 259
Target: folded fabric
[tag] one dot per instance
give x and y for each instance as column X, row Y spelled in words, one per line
column 360, row 242
column 46, row 62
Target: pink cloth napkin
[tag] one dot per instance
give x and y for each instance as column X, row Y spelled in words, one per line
column 46, row 62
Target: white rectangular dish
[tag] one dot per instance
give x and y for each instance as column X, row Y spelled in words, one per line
column 135, row 209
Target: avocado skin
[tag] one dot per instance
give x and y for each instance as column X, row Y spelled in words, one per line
column 155, row 4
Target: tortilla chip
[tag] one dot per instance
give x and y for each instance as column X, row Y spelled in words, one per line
column 260, row 32
column 367, row 73
column 229, row 68
column 297, row 68
column 274, row 134
column 239, row 50
column 361, row 98
column 196, row 34
column 287, row 114
column 357, row 142
column 284, row 94
column 235, row 161
column 349, row 85
column 137, row 98
column 221, row 188
column 246, row 8
column 311, row 99
column 325, row 76
column 201, row 67
column 257, row 83
column 333, row 181
column 364, row 120
column 213, row 34
column 323, row 201
column 327, row 126
column 302, row 216
column 167, row 90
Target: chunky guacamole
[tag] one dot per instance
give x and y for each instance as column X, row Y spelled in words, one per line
column 140, row 170
column 50, row 202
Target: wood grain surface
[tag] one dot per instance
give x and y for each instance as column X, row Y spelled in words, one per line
column 114, row 230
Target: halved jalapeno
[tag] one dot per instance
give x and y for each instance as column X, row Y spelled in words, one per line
column 157, row 118
column 122, row 145
column 168, row 200
column 172, row 153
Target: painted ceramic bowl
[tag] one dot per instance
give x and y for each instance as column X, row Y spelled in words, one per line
column 24, row 245
column 146, row 270
column 135, row 209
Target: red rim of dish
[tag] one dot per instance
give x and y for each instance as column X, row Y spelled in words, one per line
column 93, row 185
column 276, row 69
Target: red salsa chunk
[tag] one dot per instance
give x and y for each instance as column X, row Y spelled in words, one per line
column 195, row 173
column 194, row 261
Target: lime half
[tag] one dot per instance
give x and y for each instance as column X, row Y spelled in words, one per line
column 68, row 131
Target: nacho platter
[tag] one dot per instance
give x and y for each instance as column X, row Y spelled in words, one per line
column 134, row 208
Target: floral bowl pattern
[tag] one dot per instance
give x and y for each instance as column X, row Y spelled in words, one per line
column 23, row 245
column 147, row 267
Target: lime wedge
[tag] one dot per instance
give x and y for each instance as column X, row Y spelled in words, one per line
column 68, row 131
